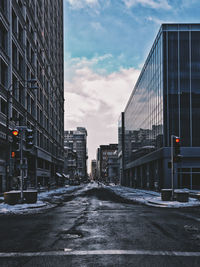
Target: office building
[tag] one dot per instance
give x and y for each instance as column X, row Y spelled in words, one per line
column 70, row 163
column 31, row 48
column 93, row 169
column 77, row 141
column 165, row 101
column 107, row 165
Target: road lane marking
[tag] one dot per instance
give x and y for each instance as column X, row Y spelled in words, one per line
column 69, row 252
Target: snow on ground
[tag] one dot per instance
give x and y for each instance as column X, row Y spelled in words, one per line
column 151, row 198
column 146, row 197
column 41, row 204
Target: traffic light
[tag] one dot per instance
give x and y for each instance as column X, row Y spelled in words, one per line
column 29, row 138
column 16, row 140
column 177, row 149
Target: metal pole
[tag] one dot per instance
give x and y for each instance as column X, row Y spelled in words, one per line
column 172, row 165
column 21, row 163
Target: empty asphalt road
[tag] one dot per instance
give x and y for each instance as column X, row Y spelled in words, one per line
column 94, row 227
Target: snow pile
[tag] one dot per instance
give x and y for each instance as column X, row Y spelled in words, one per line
column 151, row 198
column 20, row 208
column 41, row 204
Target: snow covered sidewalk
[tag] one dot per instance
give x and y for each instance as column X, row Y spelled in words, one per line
column 151, row 198
column 42, row 202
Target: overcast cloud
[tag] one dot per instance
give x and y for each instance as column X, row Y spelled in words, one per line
column 95, row 100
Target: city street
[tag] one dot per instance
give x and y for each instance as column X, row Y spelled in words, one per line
column 93, row 227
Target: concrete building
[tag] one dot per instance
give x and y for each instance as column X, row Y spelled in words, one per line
column 107, row 165
column 70, row 163
column 31, row 47
column 77, row 141
column 165, row 101
column 93, row 169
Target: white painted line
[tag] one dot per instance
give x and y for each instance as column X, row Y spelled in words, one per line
column 67, row 249
column 69, row 252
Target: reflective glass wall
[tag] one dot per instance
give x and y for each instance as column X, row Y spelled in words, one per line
column 181, row 57
column 166, row 97
column 143, row 116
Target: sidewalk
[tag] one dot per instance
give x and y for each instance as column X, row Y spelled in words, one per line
column 45, row 201
column 152, row 198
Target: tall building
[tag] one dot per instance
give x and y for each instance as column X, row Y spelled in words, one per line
column 165, row 101
column 31, row 47
column 70, row 163
column 93, row 169
column 107, row 165
column 77, row 141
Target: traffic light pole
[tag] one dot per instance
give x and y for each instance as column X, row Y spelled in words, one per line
column 21, row 169
column 21, row 128
column 172, row 165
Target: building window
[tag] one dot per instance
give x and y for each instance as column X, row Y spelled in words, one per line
column 28, row 103
column 21, row 65
column 21, row 94
column 3, row 6
column 14, row 114
column 14, row 55
column 14, row 22
column 3, row 74
column 14, row 87
column 32, row 107
column 3, row 37
column 21, row 33
column 3, row 105
column 40, row 163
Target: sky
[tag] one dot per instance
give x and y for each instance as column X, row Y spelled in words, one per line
column 106, row 43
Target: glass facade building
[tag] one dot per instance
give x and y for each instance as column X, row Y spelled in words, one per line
column 165, row 101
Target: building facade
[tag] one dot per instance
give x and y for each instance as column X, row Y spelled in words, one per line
column 165, row 101
column 93, row 169
column 31, row 47
column 107, row 163
column 77, row 141
column 70, row 163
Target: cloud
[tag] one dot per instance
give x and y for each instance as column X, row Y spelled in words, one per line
column 95, row 99
column 156, row 20
column 97, row 26
column 78, row 4
column 154, row 4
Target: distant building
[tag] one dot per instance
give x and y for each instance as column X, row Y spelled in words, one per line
column 93, row 169
column 165, row 101
column 107, row 163
column 70, row 163
column 76, row 140
column 113, row 168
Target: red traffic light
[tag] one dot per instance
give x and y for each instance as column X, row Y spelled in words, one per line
column 177, row 140
column 15, row 132
column 12, row 154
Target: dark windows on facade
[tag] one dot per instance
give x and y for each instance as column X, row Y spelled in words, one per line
column 20, row 34
column 3, row 73
column 14, row 22
column 14, row 55
column 3, row 37
column 3, row 106
column 3, row 6
column 21, row 65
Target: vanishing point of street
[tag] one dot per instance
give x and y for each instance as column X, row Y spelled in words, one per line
column 93, row 227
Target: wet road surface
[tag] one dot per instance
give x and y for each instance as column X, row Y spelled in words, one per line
column 94, row 227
